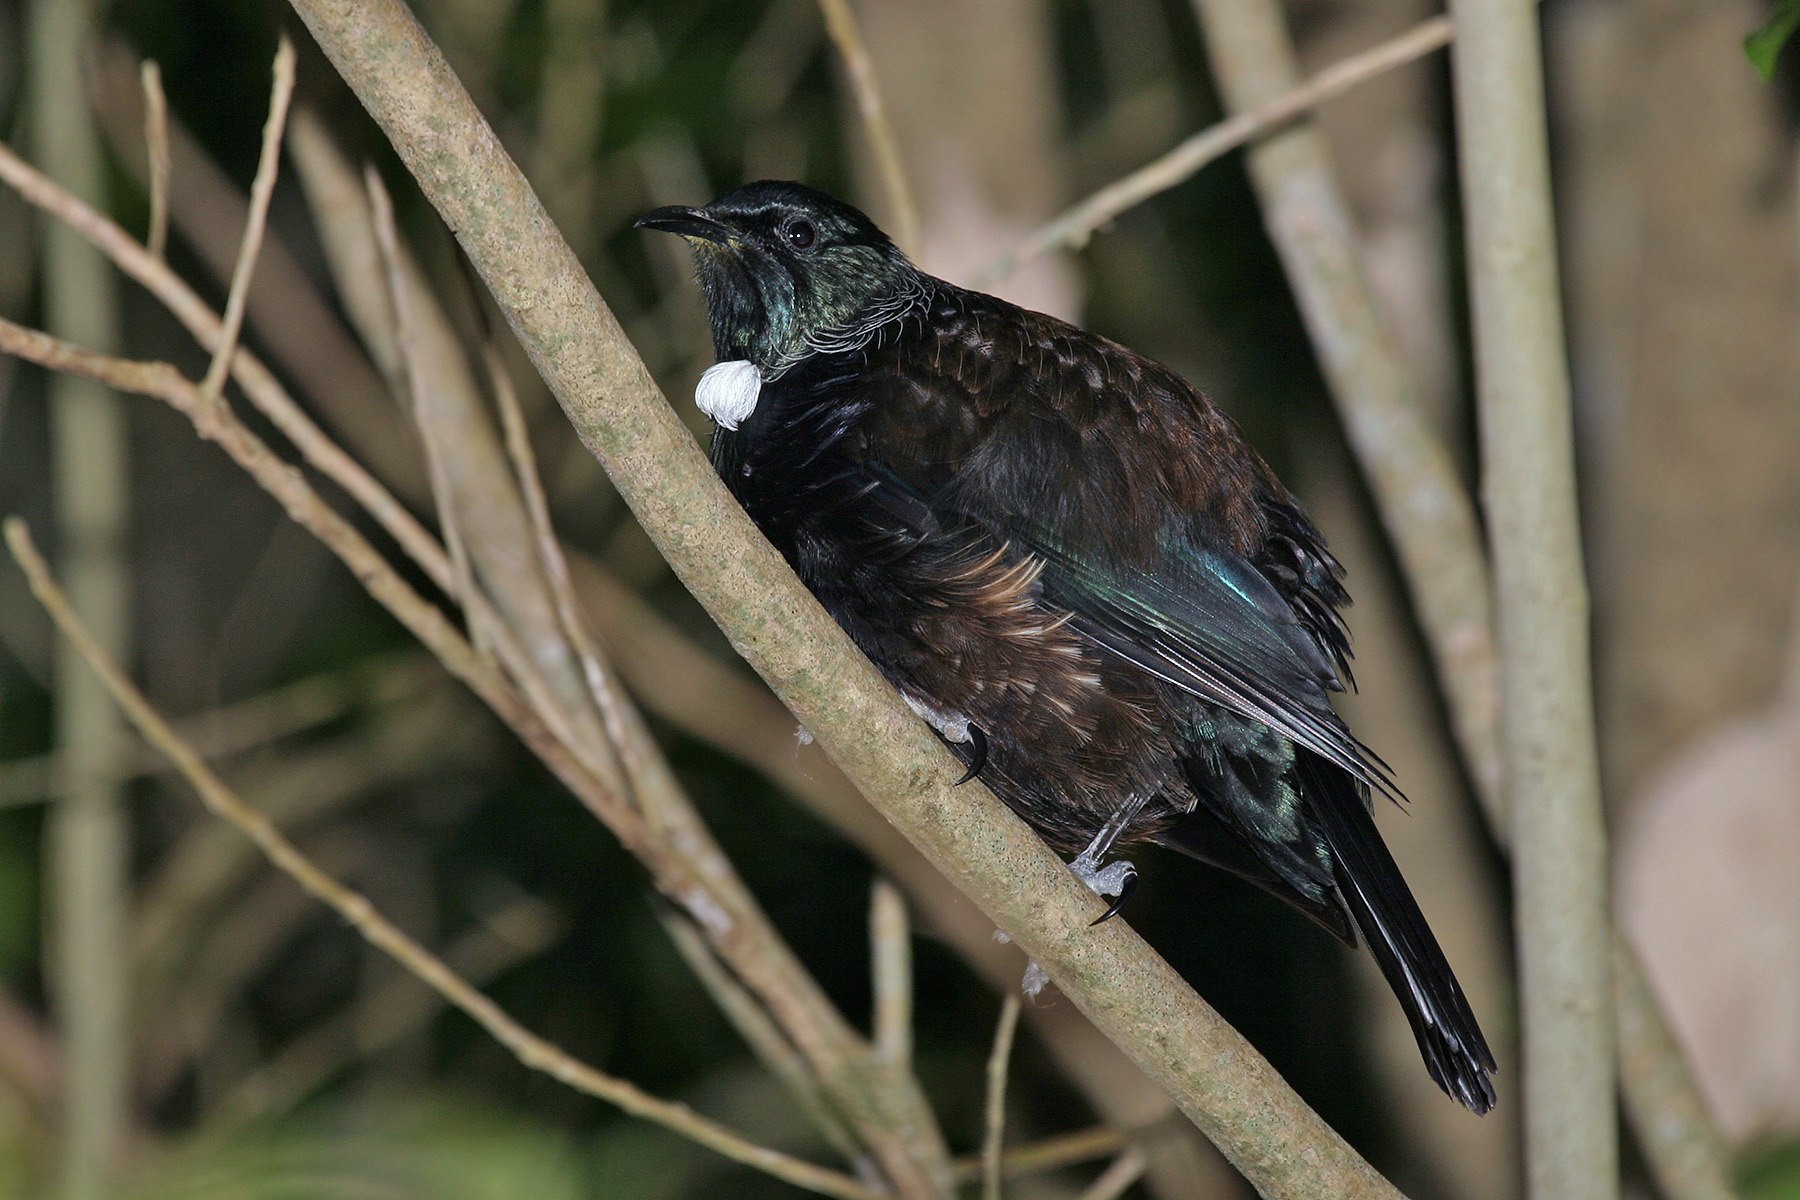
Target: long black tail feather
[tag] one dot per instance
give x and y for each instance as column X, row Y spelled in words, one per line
column 1455, row 1052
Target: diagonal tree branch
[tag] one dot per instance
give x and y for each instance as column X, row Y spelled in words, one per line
column 261, row 192
column 577, row 345
column 1076, row 225
column 846, row 34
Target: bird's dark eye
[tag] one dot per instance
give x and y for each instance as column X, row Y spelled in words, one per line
column 801, row 234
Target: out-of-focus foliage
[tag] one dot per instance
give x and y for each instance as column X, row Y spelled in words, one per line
column 1773, row 1174
column 1764, row 45
column 395, row 1151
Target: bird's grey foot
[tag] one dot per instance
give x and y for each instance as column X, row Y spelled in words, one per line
column 1117, row 879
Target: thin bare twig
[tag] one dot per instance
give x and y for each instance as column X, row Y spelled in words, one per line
column 994, row 1128
column 530, row 1049
column 1063, row 1150
column 412, row 378
column 293, row 321
column 1075, row 226
column 771, row 1046
column 890, row 946
column 1124, row 1171
column 156, row 146
column 230, row 729
column 261, row 191
column 840, row 20
column 88, row 839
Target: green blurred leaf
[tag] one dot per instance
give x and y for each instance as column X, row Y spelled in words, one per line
column 1764, row 46
column 409, row 1150
column 1773, row 1174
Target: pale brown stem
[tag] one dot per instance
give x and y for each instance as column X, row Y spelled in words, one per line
column 1124, row 1171
column 261, row 192
column 846, row 34
column 1074, row 227
column 222, row 732
column 87, row 846
column 890, row 945
column 156, row 146
column 529, row 1048
column 1558, row 837
column 412, row 379
column 994, row 1127
column 1064, row 1150
column 771, row 1046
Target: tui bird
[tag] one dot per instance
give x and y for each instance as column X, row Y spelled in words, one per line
column 1068, row 561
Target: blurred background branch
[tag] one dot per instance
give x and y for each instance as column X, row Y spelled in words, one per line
column 88, row 848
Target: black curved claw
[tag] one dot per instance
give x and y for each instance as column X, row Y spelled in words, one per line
column 1126, row 888
column 979, row 740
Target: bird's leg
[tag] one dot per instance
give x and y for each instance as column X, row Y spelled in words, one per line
column 1117, row 879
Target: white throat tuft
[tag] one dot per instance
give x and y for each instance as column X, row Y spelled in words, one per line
column 727, row 392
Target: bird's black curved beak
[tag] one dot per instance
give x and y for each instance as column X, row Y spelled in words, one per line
column 688, row 222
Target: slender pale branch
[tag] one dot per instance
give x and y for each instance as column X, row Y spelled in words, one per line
column 261, row 192
column 530, row 1049
column 156, row 146
column 1076, row 225
column 1063, row 1150
column 890, row 946
column 994, row 1127
column 1123, row 1171
column 770, row 1045
column 1528, row 489
column 88, row 841
column 892, row 756
column 846, row 34
column 412, row 379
